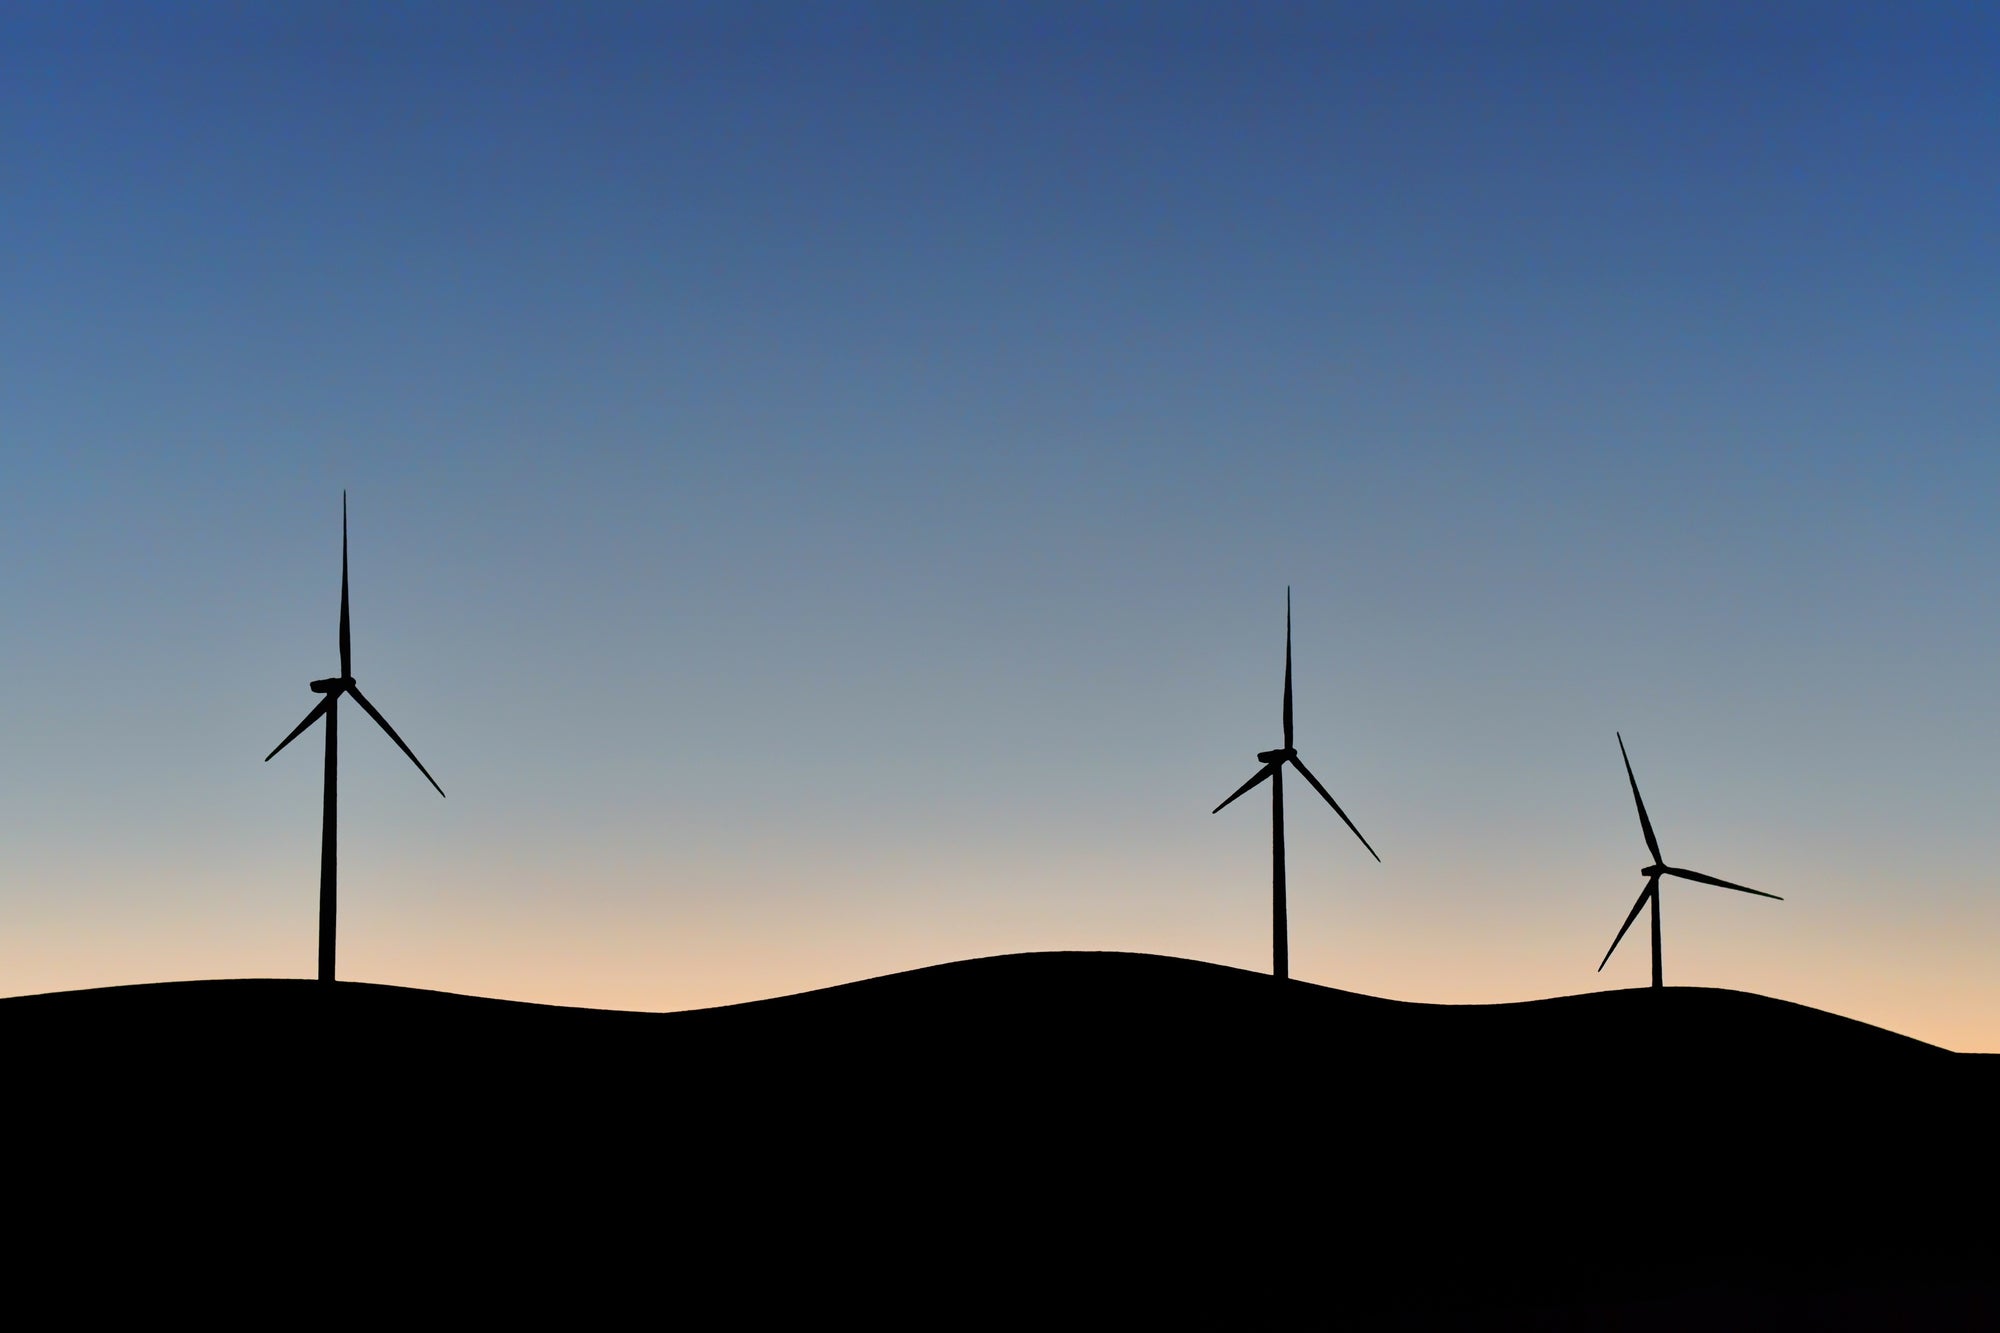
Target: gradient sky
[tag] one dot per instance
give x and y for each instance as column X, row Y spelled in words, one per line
column 825, row 479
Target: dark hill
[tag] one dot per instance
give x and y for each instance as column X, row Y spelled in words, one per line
column 1048, row 998
column 1113, row 1132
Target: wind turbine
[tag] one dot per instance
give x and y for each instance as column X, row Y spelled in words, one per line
column 1653, row 872
column 333, row 688
column 1274, row 762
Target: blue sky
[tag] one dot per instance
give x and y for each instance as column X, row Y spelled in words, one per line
column 825, row 479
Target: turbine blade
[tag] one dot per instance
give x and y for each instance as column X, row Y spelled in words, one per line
column 1262, row 773
column 1719, row 883
column 1288, row 668
column 1652, row 843
column 1335, row 804
column 1652, row 887
column 311, row 718
column 346, row 647
column 383, row 722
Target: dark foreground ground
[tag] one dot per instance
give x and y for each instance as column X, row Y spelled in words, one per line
column 1049, row 1138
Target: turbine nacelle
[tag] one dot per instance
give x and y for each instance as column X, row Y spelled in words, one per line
column 1276, row 756
column 332, row 685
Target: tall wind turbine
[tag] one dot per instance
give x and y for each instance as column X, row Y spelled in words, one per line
column 333, row 688
column 1651, row 893
column 1274, row 762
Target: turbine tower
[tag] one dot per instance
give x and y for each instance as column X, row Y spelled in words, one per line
column 1274, row 762
column 1651, row 893
column 333, row 688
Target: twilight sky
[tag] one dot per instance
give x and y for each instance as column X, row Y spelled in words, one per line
column 825, row 478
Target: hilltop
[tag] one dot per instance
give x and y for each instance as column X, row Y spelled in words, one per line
column 1142, row 997
column 1123, row 1126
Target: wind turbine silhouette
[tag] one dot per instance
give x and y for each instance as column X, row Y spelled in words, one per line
column 1653, row 872
column 333, row 688
column 1274, row 762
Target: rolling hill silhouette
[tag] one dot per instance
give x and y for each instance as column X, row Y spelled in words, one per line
column 1092, row 1133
